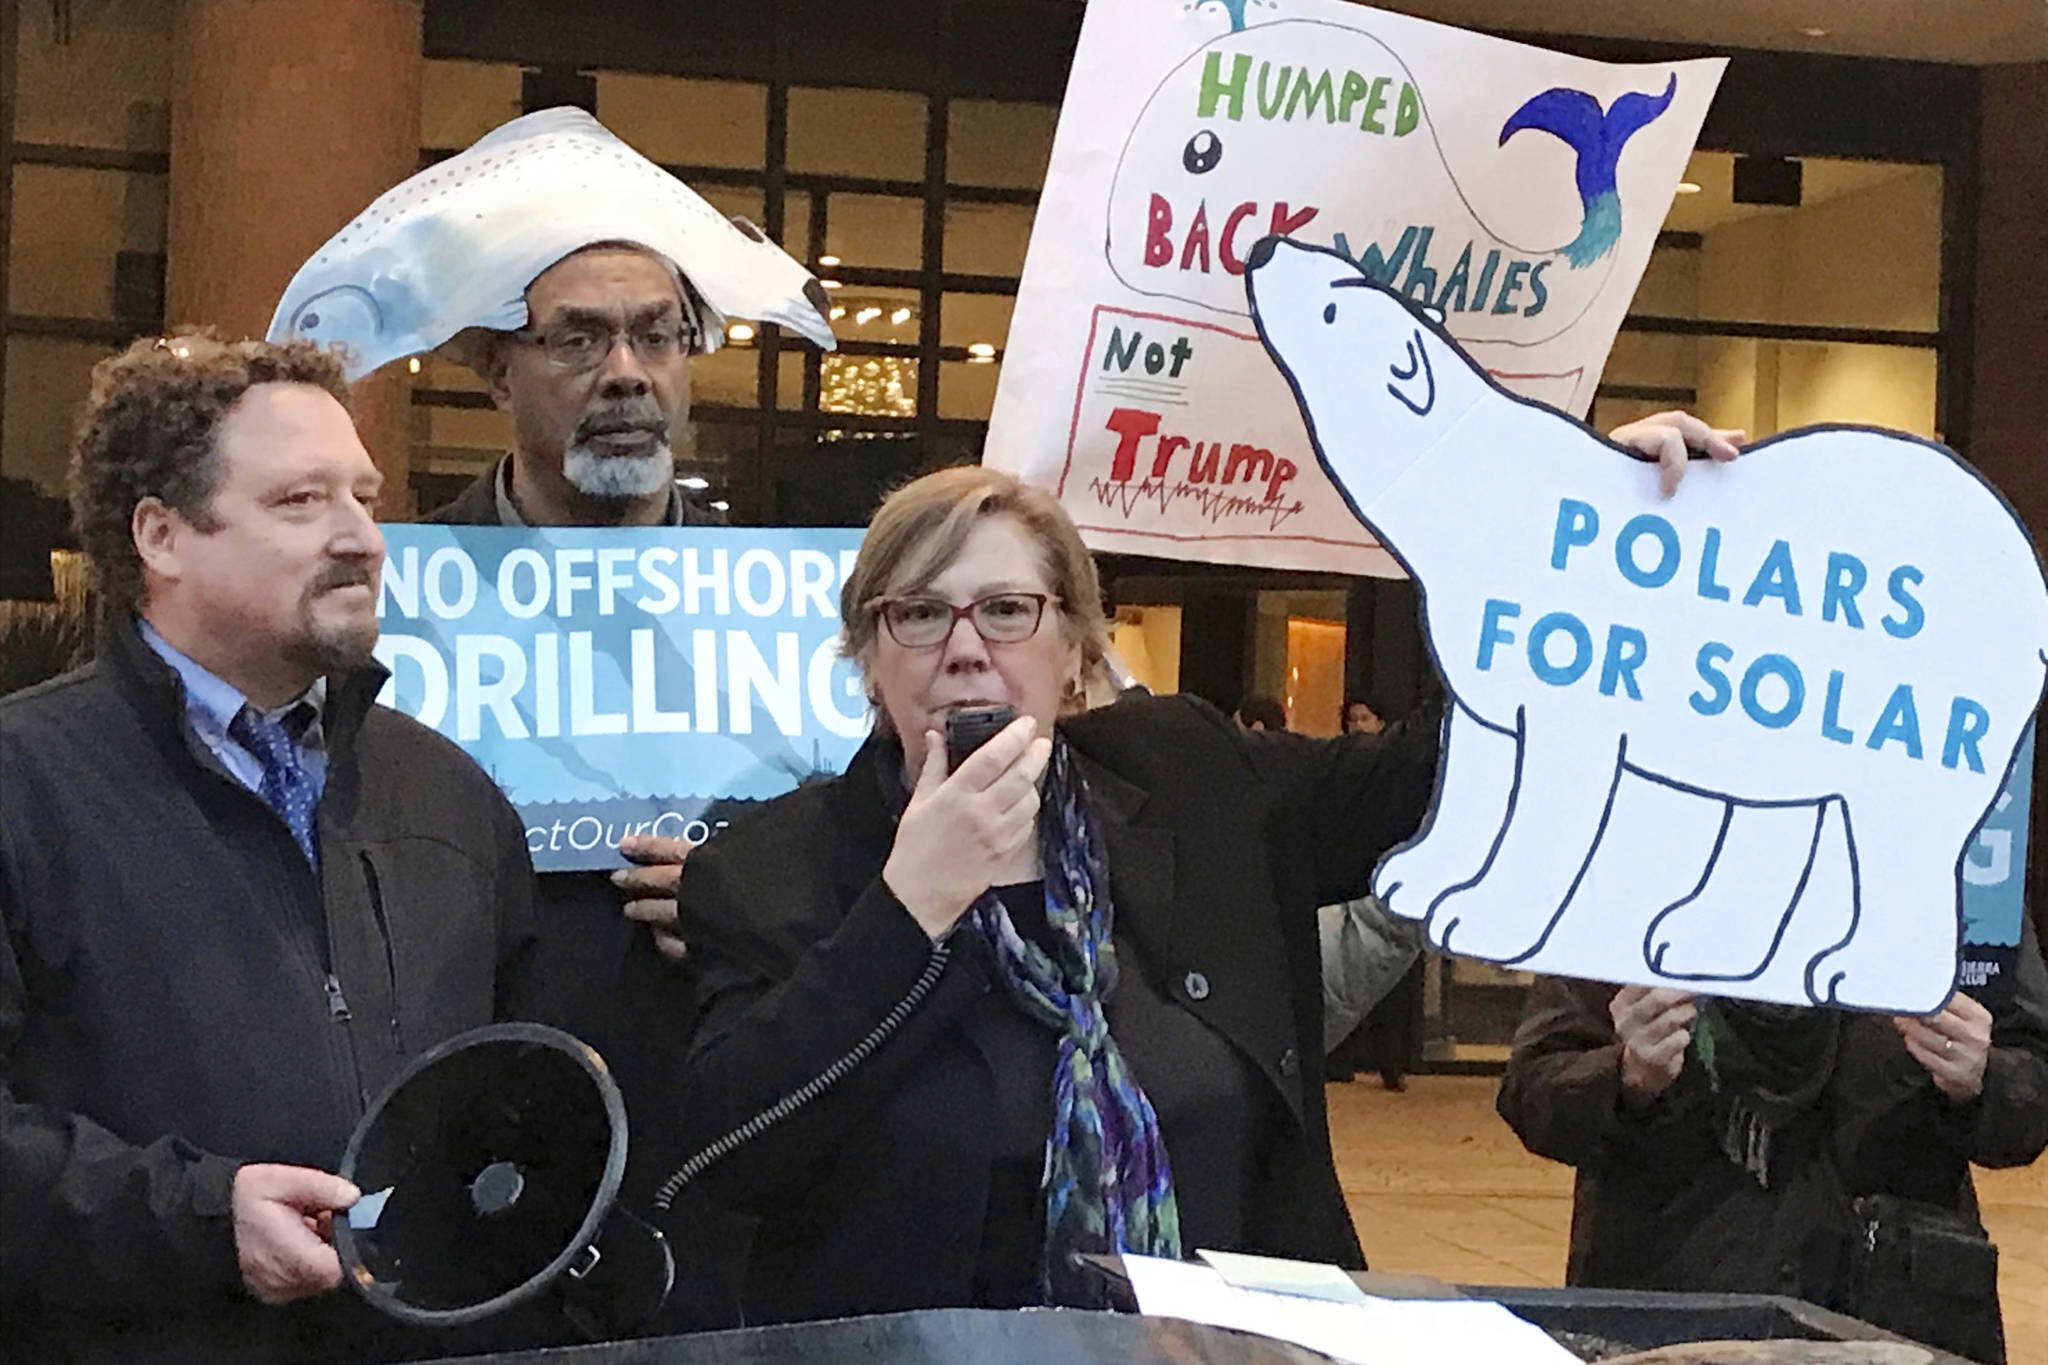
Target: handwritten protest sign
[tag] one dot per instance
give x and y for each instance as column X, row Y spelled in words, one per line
column 1516, row 190
column 617, row 681
column 1826, row 654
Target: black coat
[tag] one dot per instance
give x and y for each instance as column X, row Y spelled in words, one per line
column 1220, row 846
column 1657, row 1205
column 584, row 936
column 164, row 1009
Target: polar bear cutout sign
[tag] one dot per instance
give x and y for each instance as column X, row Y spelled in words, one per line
column 1819, row 660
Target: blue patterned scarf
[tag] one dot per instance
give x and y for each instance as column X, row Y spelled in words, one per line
column 1107, row 1185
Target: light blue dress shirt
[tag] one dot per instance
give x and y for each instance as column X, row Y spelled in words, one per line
column 211, row 706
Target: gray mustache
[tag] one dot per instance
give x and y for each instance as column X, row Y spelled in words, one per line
column 610, row 421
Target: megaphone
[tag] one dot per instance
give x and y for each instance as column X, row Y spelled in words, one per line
column 490, row 1174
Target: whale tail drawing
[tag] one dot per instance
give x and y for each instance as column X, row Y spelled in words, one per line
column 1575, row 118
column 1234, row 8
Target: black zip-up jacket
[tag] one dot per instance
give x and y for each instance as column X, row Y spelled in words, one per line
column 180, row 995
column 875, row 1198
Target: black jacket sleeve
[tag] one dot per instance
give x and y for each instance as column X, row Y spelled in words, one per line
column 1561, row 1092
column 88, row 1220
column 1357, row 796
column 2010, row 1124
column 767, row 1030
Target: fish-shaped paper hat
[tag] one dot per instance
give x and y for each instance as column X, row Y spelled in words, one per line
column 456, row 245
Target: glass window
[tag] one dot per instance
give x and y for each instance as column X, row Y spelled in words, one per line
column 987, row 239
column 86, row 244
column 1609, row 413
column 862, row 312
column 796, row 224
column 967, row 388
column 976, row 320
column 47, row 380
column 680, row 122
column 469, row 428
column 1654, row 360
column 789, row 380
column 874, row 385
column 875, row 230
column 1670, row 285
column 729, row 375
column 999, row 142
column 1771, row 386
column 439, row 373
column 876, row 134
column 713, row 446
column 95, row 75
column 1861, row 249
column 461, row 101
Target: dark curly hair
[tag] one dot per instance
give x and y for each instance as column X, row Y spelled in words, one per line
column 150, row 429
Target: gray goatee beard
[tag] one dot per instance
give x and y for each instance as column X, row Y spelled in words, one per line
column 618, row 476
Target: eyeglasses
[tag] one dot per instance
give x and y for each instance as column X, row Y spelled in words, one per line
column 580, row 346
column 1001, row 618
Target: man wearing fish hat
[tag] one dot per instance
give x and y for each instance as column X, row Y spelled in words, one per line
column 577, row 278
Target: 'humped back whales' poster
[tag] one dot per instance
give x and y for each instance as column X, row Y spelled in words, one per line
column 1517, row 191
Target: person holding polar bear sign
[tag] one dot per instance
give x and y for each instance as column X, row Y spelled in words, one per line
column 1743, row 1147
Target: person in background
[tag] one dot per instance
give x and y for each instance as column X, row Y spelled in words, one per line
column 1046, row 1070
column 1372, row 963
column 236, row 898
column 1726, row 1146
column 1257, row 712
column 1360, row 717
column 623, row 280
column 596, row 384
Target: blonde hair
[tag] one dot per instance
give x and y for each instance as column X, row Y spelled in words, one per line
column 922, row 527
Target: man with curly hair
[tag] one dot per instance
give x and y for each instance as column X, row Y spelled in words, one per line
column 236, row 897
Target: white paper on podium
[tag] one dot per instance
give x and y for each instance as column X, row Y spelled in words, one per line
column 1374, row 1332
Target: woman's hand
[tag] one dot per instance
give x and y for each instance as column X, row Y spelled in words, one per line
column 1654, row 1026
column 1670, row 438
column 1954, row 1046
column 962, row 834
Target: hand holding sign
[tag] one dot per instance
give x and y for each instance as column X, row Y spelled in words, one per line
column 648, row 888
column 1654, row 1027
column 1671, row 439
column 1953, row 1046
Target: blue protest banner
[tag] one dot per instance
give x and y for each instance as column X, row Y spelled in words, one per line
column 625, row 680
column 1995, row 886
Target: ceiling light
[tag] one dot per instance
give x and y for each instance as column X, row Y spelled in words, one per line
column 900, row 316
column 830, row 284
column 1816, row 32
column 413, row 365
column 838, row 311
column 982, row 351
column 867, row 315
column 828, row 260
column 696, row 483
column 721, row 506
column 739, row 331
column 1687, row 187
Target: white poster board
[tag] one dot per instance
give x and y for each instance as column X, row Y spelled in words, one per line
column 1739, row 740
column 1518, row 190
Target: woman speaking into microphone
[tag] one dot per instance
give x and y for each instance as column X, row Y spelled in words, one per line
column 954, row 1024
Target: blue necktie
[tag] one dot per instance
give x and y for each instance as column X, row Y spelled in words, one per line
column 287, row 788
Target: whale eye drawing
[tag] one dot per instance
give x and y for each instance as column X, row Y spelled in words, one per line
column 343, row 311
column 1329, row 312
column 1203, row 152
